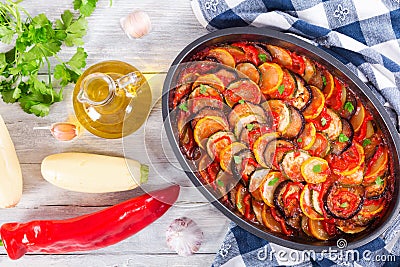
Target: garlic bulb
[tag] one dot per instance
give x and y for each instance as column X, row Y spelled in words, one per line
column 184, row 236
column 136, row 24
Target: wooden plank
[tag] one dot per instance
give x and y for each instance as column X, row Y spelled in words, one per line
column 118, row 259
column 150, row 240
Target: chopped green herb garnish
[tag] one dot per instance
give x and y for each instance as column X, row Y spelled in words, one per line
column 237, row 159
column 323, row 121
column 183, row 107
column 343, row 138
column 349, row 107
column 281, row 89
column 360, row 216
column 344, row 205
column 241, row 101
column 262, row 57
column 299, row 140
column 238, row 205
column 273, row 181
column 324, row 80
column 250, row 126
column 203, row 89
column 317, row 168
column 220, row 183
column 379, row 181
column 366, row 142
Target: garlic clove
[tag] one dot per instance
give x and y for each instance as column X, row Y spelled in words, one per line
column 62, row 131
column 184, row 236
column 136, row 24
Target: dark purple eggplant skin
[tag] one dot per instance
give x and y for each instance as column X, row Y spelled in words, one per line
column 295, row 112
column 350, row 97
column 280, row 208
column 339, row 147
column 332, row 213
column 236, row 168
column 309, row 100
column 279, row 142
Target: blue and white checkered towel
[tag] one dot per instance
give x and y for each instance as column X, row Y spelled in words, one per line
column 365, row 36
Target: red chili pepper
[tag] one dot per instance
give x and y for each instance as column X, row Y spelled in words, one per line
column 212, row 171
column 345, row 161
column 298, row 65
column 220, row 139
column 251, row 52
column 247, row 209
column 281, row 221
column 88, row 232
column 329, row 227
column 256, row 133
column 363, row 130
column 232, row 96
column 335, row 101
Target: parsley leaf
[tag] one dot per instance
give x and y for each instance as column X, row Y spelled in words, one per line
column 262, row 57
column 379, row 181
column 281, row 89
column 344, row 205
column 343, row 138
column 273, row 181
column 238, row 205
column 366, row 142
column 323, row 121
column 349, row 106
column 86, row 7
column 203, row 89
column 183, row 107
column 237, row 159
column 241, row 101
column 317, row 168
column 220, row 183
column 250, row 126
column 299, row 140
column 324, row 80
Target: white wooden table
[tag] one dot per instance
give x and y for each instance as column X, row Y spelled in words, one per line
column 174, row 26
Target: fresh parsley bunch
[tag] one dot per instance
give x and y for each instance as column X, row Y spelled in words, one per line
column 37, row 39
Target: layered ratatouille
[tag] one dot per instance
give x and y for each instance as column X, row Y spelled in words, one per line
column 285, row 143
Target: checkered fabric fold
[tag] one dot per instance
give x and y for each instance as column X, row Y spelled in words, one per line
column 365, row 36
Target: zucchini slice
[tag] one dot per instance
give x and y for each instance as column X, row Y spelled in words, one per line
column 249, row 71
column 371, row 208
column 296, row 125
column 207, row 126
column 286, row 199
column 377, row 165
column 275, row 150
column 306, row 204
column 335, row 125
column 291, row 164
column 316, row 106
column 252, row 132
column 328, row 84
column 269, row 184
column 198, row 103
column 310, row 70
column 344, row 202
column 271, row 77
column 352, row 179
column 205, row 91
column 260, row 145
column 359, row 116
column 280, row 55
column 348, row 229
column 207, row 111
column 246, row 120
column 305, row 226
column 315, row 170
column 239, row 199
column 316, row 203
column 287, row 89
column 317, row 229
column 280, row 112
column 217, row 142
column 226, row 155
column 340, row 146
column 256, row 180
column 307, row 137
column 241, row 110
column 377, row 190
column 269, row 221
column 211, row 80
column 243, row 89
column 222, row 56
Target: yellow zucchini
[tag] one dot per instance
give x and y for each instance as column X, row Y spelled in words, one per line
column 10, row 170
column 92, row 173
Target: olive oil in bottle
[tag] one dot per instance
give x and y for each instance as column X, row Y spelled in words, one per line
column 112, row 99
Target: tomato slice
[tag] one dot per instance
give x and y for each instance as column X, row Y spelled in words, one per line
column 349, row 161
column 298, row 65
column 344, row 202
